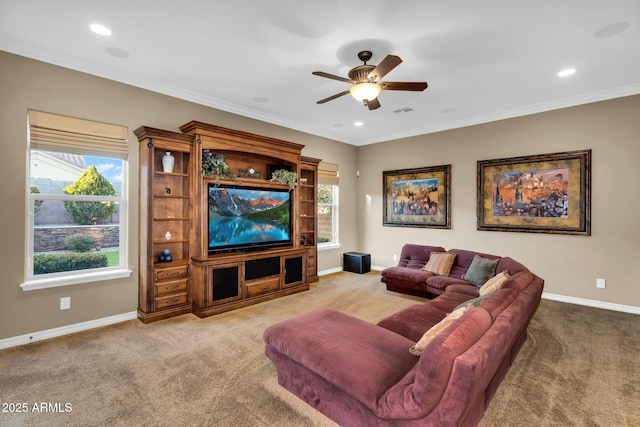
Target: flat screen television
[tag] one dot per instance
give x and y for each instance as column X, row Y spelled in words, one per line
column 247, row 218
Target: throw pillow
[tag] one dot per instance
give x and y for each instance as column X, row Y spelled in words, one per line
column 494, row 283
column 440, row 263
column 433, row 332
column 480, row 270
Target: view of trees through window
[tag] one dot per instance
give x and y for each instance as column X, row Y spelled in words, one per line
column 76, row 203
column 326, row 213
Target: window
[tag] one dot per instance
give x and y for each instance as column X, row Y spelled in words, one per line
column 76, row 197
column 328, row 206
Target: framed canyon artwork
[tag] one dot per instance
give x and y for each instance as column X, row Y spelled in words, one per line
column 419, row 197
column 547, row 193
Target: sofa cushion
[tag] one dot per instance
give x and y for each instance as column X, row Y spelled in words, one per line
column 428, row 336
column 519, row 281
column 466, row 288
column 406, row 274
column 480, row 270
column 414, row 320
column 441, row 282
column 494, row 283
column 474, row 302
column 440, row 263
column 416, row 256
column 496, row 302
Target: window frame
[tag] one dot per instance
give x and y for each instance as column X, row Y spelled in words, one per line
column 335, row 193
column 50, row 280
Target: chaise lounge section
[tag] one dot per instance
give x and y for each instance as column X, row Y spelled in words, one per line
column 361, row 374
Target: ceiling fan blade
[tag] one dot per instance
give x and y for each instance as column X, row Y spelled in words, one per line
column 332, row 97
column 373, row 104
column 387, row 64
column 332, row 76
column 413, row 86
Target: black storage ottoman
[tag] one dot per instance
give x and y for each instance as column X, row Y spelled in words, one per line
column 356, row 262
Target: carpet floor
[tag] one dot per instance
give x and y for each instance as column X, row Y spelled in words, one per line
column 579, row 367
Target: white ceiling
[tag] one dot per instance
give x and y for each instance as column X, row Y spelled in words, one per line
column 483, row 60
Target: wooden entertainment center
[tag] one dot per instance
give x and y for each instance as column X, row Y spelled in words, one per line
column 173, row 220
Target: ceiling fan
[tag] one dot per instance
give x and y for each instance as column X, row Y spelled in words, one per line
column 366, row 80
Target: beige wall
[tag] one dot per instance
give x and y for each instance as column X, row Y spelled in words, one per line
column 569, row 264
column 25, row 84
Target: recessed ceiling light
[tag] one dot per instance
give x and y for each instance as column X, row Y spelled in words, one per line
column 100, row 29
column 358, row 124
column 567, row 72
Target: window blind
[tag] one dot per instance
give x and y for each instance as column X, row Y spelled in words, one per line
column 328, row 173
column 53, row 132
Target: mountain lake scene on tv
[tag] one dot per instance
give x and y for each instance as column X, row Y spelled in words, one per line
column 244, row 217
column 540, row 193
column 415, row 197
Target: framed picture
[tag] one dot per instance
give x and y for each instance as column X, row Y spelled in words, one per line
column 547, row 193
column 417, row 197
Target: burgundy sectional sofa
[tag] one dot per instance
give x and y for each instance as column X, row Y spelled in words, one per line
column 409, row 278
column 361, row 374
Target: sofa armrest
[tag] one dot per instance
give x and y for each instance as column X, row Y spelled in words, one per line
column 470, row 290
column 422, row 389
column 405, row 274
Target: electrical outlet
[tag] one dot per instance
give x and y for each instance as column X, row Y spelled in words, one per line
column 395, row 257
column 65, row 303
column 601, row 283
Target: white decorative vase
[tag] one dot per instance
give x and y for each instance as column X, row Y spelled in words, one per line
column 167, row 235
column 167, row 162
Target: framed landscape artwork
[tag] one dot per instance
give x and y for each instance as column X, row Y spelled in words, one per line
column 548, row 193
column 417, row 197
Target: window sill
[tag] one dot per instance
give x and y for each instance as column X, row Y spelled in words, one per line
column 328, row 246
column 54, row 282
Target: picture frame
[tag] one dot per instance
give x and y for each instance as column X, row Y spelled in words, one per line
column 546, row 193
column 418, row 197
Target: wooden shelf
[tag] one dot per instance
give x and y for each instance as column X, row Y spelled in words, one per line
column 163, row 289
column 169, row 196
column 171, row 174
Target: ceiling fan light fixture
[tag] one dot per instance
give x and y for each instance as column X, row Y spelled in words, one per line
column 368, row 91
column 100, row 29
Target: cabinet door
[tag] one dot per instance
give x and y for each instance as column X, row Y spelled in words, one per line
column 295, row 270
column 225, row 284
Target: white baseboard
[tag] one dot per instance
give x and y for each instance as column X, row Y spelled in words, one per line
column 65, row 330
column 330, row 271
column 105, row 321
column 339, row 269
column 592, row 303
